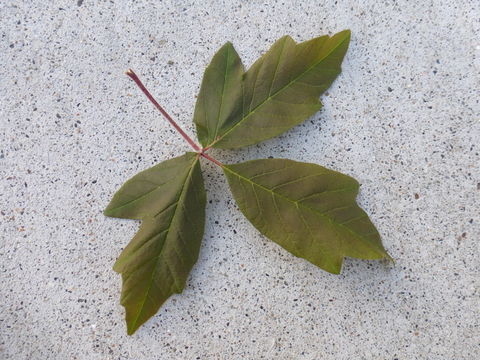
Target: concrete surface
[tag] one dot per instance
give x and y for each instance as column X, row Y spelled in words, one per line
column 403, row 118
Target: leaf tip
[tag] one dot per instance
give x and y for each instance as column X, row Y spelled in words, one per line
column 108, row 212
column 132, row 322
column 389, row 258
column 131, row 330
column 228, row 46
column 347, row 33
column 343, row 36
column 336, row 271
column 334, row 267
column 116, row 267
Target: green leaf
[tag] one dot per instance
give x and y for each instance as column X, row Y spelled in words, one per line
column 307, row 209
column 220, row 97
column 281, row 89
column 170, row 199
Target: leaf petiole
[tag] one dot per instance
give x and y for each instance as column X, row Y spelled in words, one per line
column 142, row 87
column 208, row 157
column 150, row 97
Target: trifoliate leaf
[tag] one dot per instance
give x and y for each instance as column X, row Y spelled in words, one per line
column 220, row 99
column 307, row 209
column 281, row 89
column 170, row 199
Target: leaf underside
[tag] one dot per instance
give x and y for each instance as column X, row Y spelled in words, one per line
column 170, row 199
column 307, row 209
column 279, row 91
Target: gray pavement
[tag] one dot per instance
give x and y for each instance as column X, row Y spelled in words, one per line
column 403, row 118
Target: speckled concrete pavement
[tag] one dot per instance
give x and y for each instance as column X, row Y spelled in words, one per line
column 403, row 118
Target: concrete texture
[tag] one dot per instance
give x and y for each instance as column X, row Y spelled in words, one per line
column 403, row 118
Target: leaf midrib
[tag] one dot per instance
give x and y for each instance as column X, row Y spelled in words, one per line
column 275, row 94
column 225, row 74
column 298, row 203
